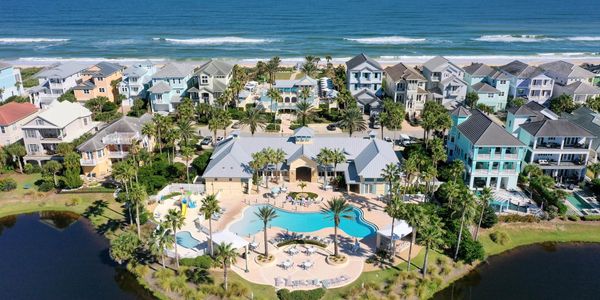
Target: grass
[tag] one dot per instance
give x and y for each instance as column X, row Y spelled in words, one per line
column 27, row 76
column 283, row 75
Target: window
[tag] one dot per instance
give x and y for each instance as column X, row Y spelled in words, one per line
column 502, row 81
column 86, row 92
column 490, row 95
column 85, row 121
column 501, row 94
column 3, row 130
column 135, row 89
column 376, row 75
column 100, row 153
column 355, row 86
column 102, row 90
column 367, row 75
column 203, row 79
column 375, row 87
column 133, row 79
column 39, row 122
column 30, row 133
column 100, row 78
column 124, row 90
column 33, row 148
column 355, row 74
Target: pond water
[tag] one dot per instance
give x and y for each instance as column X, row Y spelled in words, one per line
column 54, row 255
column 541, row 271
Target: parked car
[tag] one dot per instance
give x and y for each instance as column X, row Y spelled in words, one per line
column 206, row 140
column 331, row 127
column 388, row 139
column 235, row 125
column 219, row 138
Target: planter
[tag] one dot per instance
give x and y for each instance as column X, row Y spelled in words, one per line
column 265, row 262
column 340, row 260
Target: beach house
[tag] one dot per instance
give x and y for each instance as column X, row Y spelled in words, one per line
column 170, row 85
column 528, row 82
column 364, row 77
column 590, row 120
column 492, row 156
column 113, row 143
column 407, row 86
column 492, row 86
column 136, row 81
column 210, row 81
column 571, row 80
column 61, row 122
column 291, row 93
column 12, row 116
column 10, row 82
column 558, row 146
column 229, row 167
column 445, row 81
column 98, row 81
column 55, row 80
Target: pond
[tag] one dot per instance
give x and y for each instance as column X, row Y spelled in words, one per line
column 55, row 255
column 541, row 271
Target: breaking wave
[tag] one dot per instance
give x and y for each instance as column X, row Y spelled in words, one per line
column 387, row 40
column 215, row 40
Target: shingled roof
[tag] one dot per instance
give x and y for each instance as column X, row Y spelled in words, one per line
column 401, row 71
column 12, row 112
column 555, row 128
column 359, row 59
column 482, row 131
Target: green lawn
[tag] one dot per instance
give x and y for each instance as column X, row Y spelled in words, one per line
column 27, row 76
column 283, row 75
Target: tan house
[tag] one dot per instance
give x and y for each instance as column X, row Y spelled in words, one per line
column 96, row 81
column 229, row 169
column 113, row 143
column 12, row 116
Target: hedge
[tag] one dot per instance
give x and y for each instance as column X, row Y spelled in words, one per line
column 591, row 218
column 285, row 294
column 302, row 242
column 203, row 262
column 311, row 195
column 513, row 218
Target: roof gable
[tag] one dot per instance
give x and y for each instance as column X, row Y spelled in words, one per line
column 482, row 131
column 362, row 58
column 12, row 112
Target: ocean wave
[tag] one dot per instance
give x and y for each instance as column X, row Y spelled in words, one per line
column 522, row 38
column 116, row 42
column 584, row 38
column 216, row 40
column 387, row 40
column 30, row 40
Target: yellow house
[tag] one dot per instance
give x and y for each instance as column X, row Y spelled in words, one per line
column 96, row 82
column 113, row 143
column 229, row 168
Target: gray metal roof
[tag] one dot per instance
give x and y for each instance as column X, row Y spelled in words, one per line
column 122, row 125
column 63, row 113
column 365, row 97
column 482, row 131
column 533, row 110
column 555, row 128
column 231, row 157
column 579, row 87
column 482, row 87
column 567, row 69
column 62, row 70
column 175, row 70
column 436, row 64
column 460, row 111
column 160, row 88
column 478, row 69
column 588, row 119
column 401, row 71
column 521, row 69
column 103, row 69
column 359, row 59
column 304, row 131
column 215, row 67
column 304, row 81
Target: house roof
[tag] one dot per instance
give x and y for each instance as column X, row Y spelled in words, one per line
column 160, row 88
column 103, row 69
column 175, row 70
column 482, row 131
column 62, row 70
column 436, row 64
column 63, row 113
column 4, row 66
column 533, row 110
column 12, row 112
column 482, row 87
column 215, row 67
column 520, row 69
column 555, row 128
column 232, row 156
column 122, row 125
column 588, row 119
column 359, row 59
column 304, row 81
column 135, row 71
column 460, row 111
column 86, row 85
column 567, row 69
column 580, row 88
column 401, row 71
column 497, row 75
column 365, row 97
column 304, row 131
column 478, row 69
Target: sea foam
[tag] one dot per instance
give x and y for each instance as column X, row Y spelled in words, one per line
column 30, row 40
column 387, row 40
column 216, row 40
column 584, row 38
column 523, row 38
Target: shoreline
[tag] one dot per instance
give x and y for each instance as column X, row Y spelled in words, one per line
column 386, row 60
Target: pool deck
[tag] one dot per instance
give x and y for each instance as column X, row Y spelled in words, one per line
column 235, row 204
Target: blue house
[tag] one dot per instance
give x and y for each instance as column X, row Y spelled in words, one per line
column 492, row 156
column 491, row 85
column 170, row 85
column 10, row 82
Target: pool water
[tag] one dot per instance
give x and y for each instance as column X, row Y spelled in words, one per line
column 185, row 239
column 578, row 203
column 302, row 222
column 496, row 205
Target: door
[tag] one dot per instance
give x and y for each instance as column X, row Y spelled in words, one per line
column 303, row 174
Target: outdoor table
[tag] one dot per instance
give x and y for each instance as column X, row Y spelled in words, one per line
column 253, row 245
column 286, row 264
column 311, row 250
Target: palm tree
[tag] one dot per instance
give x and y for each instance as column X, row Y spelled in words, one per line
column 272, row 66
column 257, row 163
column 391, row 173
column 208, row 207
column 278, row 158
column 394, row 209
column 302, row 185
column 337, row 157
column 276, row 97
column 134, row 150
column 352, row 120
column 214, row 124
column 162, row 239
column 268, row 154
column 175, row 219
column 226, row 255
column 186, row 131
column 254, row 119
column 465, row 204
column 170, row 138
column 161, row 124
column 336, row 209
column 124, row 172
column 266, row 214
column 52, row 167
column 303, row 111
column 324, row 159
column 149, row 130
column 432, row 236
column 414, row 215
column 17, row 151
column 595, row 168
column 457, row 168
column 484, row 199
column 138, row 196
column 438, row 152
column 187, row 153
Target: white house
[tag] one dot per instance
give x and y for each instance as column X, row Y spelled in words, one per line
column 445, row 81
column 136, row 81
column 407, row 86
column 364, row 78
column 528, row 82
column 211, row 80
column 56, row 80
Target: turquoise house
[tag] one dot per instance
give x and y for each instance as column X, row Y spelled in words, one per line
column 491, row 85
column 492, row 156
column 9, row 77
column 170, row 85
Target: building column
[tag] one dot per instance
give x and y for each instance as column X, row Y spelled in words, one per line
column 498, row 182
column 471, row 181
column 487, row 181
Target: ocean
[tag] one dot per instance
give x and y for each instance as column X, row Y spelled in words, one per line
column 254, row 29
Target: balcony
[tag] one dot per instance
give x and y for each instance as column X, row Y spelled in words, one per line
column 572, row 164
column 88, row 162
column 117, row 154
column 495, row 172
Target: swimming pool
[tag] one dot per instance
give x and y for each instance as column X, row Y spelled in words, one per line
column 500, row 205
column 580, row 204
column 249, row 224
column 185, row 239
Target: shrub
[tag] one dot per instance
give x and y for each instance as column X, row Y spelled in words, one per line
column 28, row 168
column 199, row 276
column 489, row 218
column 7, row 184
column 46, row 186
column 514, row 218
column 285, row 294
column 499, row 237
column 471, row 250
column 573, row 218
column 200, row 163
column 309, row 242
column 310, row 195
column 203, row 262
column 591, row 218
column 272, row 127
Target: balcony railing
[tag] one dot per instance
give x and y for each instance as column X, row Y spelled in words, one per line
column 118, row 154
column 88, row 162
